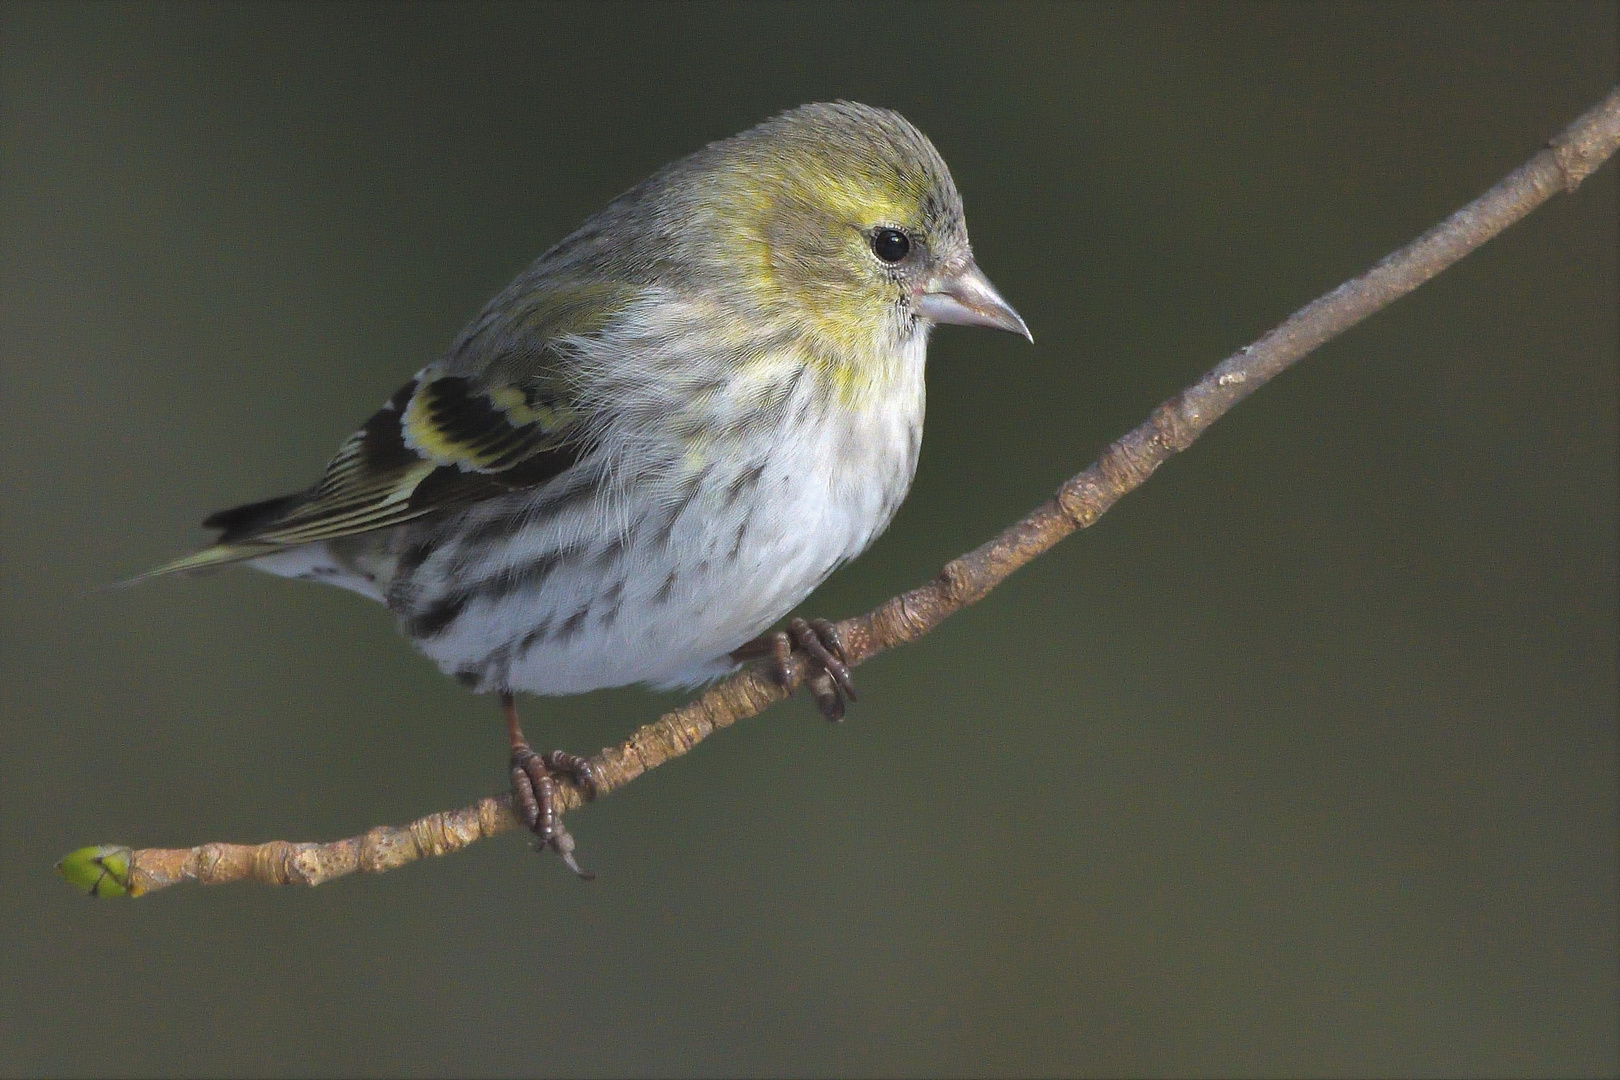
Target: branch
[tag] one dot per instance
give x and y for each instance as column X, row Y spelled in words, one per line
column 1122, row 467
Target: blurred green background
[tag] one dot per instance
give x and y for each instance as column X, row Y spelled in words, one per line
column 1303, row 761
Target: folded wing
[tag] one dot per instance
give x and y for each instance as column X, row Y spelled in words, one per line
column 443, row 441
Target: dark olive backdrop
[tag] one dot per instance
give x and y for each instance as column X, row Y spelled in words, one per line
column 1301, row 762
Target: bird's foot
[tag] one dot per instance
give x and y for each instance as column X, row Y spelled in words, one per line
column 829, row 678
column 534, row 789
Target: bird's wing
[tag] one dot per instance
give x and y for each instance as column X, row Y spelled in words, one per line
column 442, row 441
column 492, row 417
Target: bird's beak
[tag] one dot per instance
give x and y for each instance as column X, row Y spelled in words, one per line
column 965, row 297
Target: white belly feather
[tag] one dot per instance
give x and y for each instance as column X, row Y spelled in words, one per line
column 658, row 586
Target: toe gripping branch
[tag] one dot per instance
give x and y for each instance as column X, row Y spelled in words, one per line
column 829, row 679
column 534, row 776
column 534, row 789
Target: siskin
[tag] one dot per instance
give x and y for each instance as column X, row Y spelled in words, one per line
column 661, row 437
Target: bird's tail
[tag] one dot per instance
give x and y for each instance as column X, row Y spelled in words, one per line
column 235, row 544
column 208, row 558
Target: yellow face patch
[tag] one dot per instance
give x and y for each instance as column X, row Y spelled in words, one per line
column 802, row 238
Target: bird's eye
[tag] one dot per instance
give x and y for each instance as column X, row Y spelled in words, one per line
column 890, row 245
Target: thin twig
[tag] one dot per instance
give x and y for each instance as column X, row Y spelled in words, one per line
column 1122, row 467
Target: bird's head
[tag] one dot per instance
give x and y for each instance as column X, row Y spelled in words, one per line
column 847, row 214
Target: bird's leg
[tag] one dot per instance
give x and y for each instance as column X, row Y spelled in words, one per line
column 829, row 679
column 534, row 789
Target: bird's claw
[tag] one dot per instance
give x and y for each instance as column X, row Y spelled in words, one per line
column 534, row 797
column 829, row 679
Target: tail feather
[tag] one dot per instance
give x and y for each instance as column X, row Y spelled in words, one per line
column 237, row 526
column 206, row 559
column 242, row 521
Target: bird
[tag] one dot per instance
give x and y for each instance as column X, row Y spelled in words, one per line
column 660, row 438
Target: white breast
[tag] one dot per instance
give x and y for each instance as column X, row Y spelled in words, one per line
column 656, row 578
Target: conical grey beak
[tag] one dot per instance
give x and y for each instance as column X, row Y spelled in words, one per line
column 966, row 298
